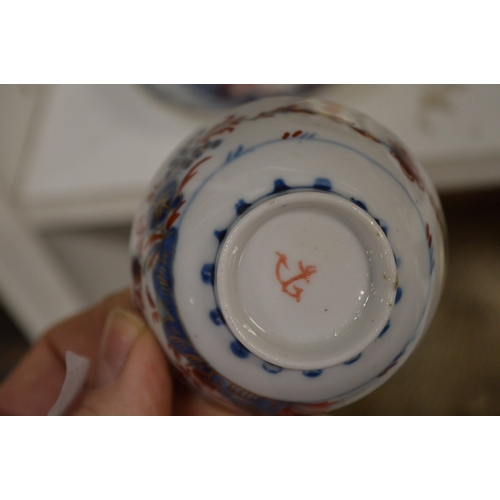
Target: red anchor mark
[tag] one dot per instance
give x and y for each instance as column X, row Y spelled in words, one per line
column 305, row 274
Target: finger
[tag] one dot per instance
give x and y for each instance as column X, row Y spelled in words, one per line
column 34, row 384
column 132, row 375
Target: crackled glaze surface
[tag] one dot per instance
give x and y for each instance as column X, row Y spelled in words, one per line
column 200, row 199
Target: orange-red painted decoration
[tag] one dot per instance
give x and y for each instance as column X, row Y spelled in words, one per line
column 305, row 274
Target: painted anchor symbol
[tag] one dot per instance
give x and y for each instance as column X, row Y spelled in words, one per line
column 305, row 274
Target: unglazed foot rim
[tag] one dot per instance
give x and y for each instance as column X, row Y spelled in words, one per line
column 306, row 280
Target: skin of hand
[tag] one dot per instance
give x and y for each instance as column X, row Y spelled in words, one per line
column 129, row 372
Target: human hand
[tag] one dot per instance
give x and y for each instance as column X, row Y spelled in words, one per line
column 129, row 373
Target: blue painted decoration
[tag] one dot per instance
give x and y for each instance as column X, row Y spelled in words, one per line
column 269, row 367
column 352, row 360
column 216, row 317
column 207, row 274
column 241, row 207
column 238, row 349
column 322, row 184
column 220, row 235
column 386, row 327
column 280, row 186
column 360, row 204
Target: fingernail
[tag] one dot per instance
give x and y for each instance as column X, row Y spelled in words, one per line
column 121, row 331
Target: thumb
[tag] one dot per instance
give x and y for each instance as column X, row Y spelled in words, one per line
column 132, row 375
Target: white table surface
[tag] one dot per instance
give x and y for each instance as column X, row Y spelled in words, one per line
column 97, row 147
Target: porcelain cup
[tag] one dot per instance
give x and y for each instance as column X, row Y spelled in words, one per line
column 289, row 256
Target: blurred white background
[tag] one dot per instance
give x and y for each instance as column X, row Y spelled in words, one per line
column 75, row 160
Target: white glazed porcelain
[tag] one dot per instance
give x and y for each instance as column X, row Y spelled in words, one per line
column 289, row 256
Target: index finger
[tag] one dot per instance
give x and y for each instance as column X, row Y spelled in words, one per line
column 34, row 384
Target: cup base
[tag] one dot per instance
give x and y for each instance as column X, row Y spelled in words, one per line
column 306, row 280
